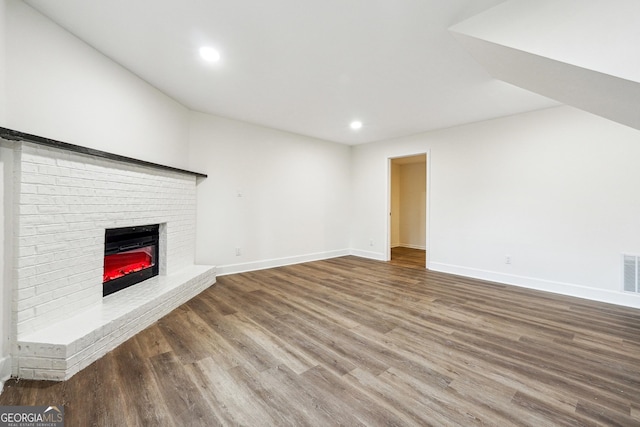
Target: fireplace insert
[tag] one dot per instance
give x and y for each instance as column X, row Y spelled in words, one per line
column 130, row 256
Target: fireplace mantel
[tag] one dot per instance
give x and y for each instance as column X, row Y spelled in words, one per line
column 14, row 135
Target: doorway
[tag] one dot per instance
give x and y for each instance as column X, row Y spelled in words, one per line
column 408, row 211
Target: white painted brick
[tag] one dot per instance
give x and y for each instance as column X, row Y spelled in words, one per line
column 49, row 375
column 36, row 363
column 53, row 170
column 86, row 277
column 86, row 242
column 41, row 219
column 34, row 199
column 29, row 167
column 48, row 306
column 81, row 196
column 45, row 258
column 69, row 164
column 51, row 209
column 26, row 373
column 28, row 250
column 25, row 272
column 31, row 178
column 80, row 173
column 59, row 364
column 49, row 277
column 24, row 283
column 72, row 237
column 35, row 159
column 67, row 290
column 65, row 180
column 52, row 229
column 82, row 191
column 26, row 316
column 26, row 261
column 50, row 287
column 26, row 230
column 29, row 188
column 31, row 242
column 53, row 190
column 52, row 247
column 26, row 294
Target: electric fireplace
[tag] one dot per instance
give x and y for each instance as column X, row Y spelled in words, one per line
column 130, row 256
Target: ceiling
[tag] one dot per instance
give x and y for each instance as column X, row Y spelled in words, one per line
column 583, row 53
column 308, row 67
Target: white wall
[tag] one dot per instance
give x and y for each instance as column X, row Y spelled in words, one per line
column 61, row 88
column 3, row 68
column 279, row 197
column 555, row 189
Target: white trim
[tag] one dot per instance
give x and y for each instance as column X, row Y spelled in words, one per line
column 278, row 262
column 427, row 240
column 377, row 256
column 410, row 246
column 388, row 213
column 626, row 299
column 388, row 245
column 5, row 371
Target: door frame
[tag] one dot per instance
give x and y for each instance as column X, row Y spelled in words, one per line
column 427, row 240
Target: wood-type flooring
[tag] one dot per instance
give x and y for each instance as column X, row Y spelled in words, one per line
column 408, row 257
column 356, row 342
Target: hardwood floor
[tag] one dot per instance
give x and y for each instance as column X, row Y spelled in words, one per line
column 350, row 341
column 407, row 257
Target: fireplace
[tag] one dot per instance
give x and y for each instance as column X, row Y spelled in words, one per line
column 63, row 198
column 130, row 256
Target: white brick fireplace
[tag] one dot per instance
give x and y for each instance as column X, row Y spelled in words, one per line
column 64, row 200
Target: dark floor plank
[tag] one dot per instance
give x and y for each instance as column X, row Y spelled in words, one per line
column 185, row 402
column 138, row 384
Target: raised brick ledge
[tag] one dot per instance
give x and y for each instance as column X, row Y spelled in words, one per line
column 62, row 349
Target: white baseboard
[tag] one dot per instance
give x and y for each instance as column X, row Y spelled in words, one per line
column 278, row 262
column 5, row 370
column 622, row 298
column 410, row 246
column 602, row 295
column 369, row 255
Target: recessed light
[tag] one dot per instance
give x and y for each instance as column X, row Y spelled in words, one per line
column 356, row 124
column 209, row 54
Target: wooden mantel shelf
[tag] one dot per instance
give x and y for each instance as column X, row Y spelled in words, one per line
column 14, row 135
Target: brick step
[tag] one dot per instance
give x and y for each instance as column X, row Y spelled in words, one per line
column 60, row 350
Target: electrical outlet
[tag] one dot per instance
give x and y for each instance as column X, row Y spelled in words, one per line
column 507, row 259
column 238, row 252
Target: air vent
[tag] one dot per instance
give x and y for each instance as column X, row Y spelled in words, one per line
column 631, row 273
